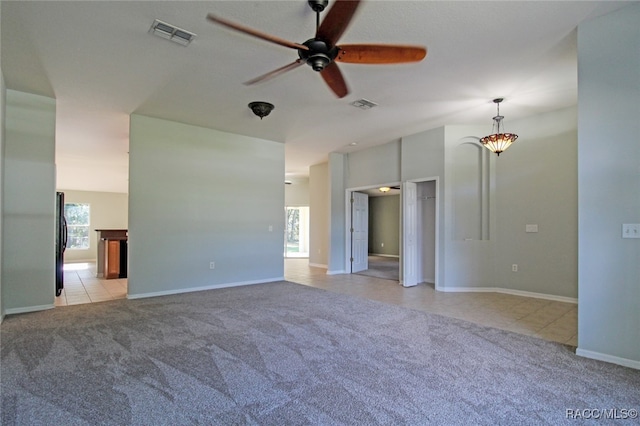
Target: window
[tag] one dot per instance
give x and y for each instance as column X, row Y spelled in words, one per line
column 77, row 216
column 297, row 232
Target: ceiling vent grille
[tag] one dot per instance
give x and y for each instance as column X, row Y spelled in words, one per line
column 363, row 104
column 170, row 32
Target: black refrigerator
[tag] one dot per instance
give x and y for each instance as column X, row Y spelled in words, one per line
column 61, row 242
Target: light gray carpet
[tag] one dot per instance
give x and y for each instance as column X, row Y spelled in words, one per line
column 384, row 267
column 286, row 354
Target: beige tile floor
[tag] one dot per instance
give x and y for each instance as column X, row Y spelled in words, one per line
column 546, row 319
column 549, row 320
column 82, row 286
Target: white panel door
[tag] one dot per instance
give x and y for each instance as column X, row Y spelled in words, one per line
column 409, row 234
column 360, row 232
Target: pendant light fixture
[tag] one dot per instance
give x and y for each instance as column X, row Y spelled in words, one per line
column 498, row 141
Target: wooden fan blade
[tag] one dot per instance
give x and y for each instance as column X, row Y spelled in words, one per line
column 380, row 53
column 337, row 20
column 275, row 73
column 255, row 33
column 334, row 79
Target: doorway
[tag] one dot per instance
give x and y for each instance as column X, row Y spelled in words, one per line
column 418, row 226
column 420, row 232
column 373, row 231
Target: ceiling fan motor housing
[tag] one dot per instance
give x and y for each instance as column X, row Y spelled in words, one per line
column 319, row 55
column 318, row 5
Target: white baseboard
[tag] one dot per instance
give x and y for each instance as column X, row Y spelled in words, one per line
column 336, row 272
column 26, row 309
column 319, row 265
column 80, row 261
column 509, row 291
column 208, row 287
column 609, row 358
column 385, row 255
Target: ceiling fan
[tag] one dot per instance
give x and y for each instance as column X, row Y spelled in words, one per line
column 322, row 53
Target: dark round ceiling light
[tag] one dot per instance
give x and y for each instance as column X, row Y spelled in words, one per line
column 261, row 109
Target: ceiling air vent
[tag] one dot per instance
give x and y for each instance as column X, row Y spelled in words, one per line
column 363, row 104
column 170, row 32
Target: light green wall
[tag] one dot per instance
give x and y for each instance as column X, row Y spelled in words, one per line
column 384, row 225
column 297, row 193
column 337, row 213
column 609, row 186
column 467, row 263
column 373, row 166
column 536, row 183
column 197, row 196
column 319, row 215
column 28, row 209
column 108, row 210
column 422, row 156
column 3, row 92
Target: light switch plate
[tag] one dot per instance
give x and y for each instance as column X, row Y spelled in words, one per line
column 531, row 228
column 631, row 230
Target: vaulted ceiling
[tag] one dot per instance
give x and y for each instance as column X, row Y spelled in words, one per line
column 101, row 63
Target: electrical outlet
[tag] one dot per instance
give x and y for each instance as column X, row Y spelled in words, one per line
column 631, row 230
column 514, row 267
column 212, row 265
column 531, row 228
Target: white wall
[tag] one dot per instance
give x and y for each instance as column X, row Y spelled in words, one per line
column 108, row 210
column 319, row 215
column 28, row 236
column 609, row 186
column 197, row 196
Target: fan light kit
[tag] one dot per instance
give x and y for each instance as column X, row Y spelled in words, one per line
column 261, row 109
column 321, row 52
column 498, row 141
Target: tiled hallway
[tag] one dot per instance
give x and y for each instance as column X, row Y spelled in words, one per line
column 546, row 319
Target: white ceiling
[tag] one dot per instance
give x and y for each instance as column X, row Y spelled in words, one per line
column 98, row 59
